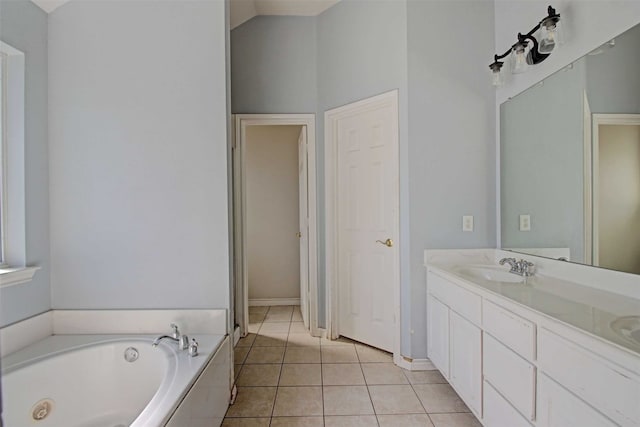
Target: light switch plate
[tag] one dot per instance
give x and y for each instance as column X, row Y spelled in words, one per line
column 525, row 222
column 467, row 223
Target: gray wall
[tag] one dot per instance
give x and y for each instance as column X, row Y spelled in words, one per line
column 542, row 164
column 447, row 138
column 138, row 158
column 362, row 51
column 269, row 53
column 23, row 25
column 451, row 136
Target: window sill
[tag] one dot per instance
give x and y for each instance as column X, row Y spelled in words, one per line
column 14, row 276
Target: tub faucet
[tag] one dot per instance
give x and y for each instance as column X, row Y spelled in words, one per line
column 182, row 340
column 522, row 267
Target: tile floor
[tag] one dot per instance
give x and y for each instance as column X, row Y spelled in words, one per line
column 285, row 377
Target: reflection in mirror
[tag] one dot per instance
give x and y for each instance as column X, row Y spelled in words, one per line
column 570, row 161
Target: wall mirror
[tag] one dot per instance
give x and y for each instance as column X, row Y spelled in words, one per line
column 570, row 161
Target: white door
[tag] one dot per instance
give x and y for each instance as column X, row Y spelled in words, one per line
column 303, row 233
column 466, row 361
column 367, row 223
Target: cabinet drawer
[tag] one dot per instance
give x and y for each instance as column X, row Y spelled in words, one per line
column 607, row 387
column 517, row 333
column 510, row 374
column 557, row 407
column 464, row 302
column 498, row 412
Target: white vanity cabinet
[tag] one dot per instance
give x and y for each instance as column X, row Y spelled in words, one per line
column 515, row 367
column 455, row 342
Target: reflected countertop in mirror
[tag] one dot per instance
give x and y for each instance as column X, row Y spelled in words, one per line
column 570, row 161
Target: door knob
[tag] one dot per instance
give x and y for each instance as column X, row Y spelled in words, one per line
column 299, row 234
column 387, row 242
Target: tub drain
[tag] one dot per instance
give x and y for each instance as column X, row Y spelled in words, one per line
column 42, row 409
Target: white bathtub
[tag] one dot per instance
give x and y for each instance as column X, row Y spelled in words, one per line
column 85, row 381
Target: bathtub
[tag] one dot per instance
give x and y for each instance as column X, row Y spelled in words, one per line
column 115, row 381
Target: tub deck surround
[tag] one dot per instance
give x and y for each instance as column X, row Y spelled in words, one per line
column 21, row 334
column 159, row 386
column 590, row 310
column 65, row 322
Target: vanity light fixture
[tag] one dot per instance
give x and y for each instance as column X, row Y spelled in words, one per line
column 527, row 51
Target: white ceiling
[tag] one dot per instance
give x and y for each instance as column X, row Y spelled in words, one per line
column 243, row 10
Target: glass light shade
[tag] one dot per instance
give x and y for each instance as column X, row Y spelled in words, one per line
column 550, row 35
column 496, row 78
column 519, row 59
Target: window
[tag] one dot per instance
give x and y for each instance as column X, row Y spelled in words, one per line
column 13, row 269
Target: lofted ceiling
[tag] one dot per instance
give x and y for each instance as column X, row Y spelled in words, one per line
column 243, row 10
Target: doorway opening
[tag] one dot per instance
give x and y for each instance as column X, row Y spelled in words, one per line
column 275, row 237
column 615, row 184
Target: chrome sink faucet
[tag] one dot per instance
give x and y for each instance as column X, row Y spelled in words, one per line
column 523, row 268
column 182, row 340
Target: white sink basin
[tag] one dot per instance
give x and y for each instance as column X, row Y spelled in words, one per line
column 628, row 327
column 493, row 274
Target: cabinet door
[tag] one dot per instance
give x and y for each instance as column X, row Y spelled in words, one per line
column 438, row 334
column 466, row 361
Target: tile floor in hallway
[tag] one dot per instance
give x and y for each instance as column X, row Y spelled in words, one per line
column 285, row 377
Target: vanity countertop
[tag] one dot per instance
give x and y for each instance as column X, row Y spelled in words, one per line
column 588, row 309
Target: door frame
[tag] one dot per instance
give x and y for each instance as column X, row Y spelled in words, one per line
column 242, row 122
column 597, row 120
column 331, row 118
column 587, row 199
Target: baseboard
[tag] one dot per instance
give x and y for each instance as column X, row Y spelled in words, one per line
column 319, row 332
column 413, row 364
column 273, row 301
column 236, row 336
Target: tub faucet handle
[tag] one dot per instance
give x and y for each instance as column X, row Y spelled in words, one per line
column 193, row 348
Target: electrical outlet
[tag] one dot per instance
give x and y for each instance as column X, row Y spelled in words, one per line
column 525, row 222
column 467, row 223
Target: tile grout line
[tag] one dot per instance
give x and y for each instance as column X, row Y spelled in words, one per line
column 324, row 419
column 275, row 398
column 419, row 400
column 375, row 413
